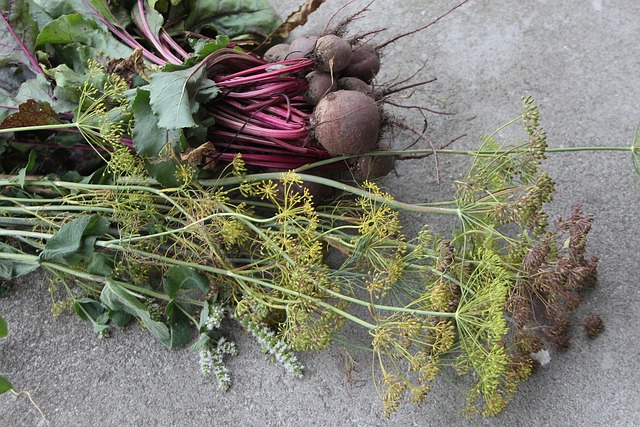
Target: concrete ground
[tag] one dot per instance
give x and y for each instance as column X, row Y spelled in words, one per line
column 579, row 60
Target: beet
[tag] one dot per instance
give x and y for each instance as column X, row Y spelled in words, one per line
column 354, row 83
column 320, row 84
column 347, row 122
column 277, row 53
column 332, row 53
column 302, row 47
column 364, row 63
column 369, row 168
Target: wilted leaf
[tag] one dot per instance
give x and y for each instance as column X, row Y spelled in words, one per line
column 87, row 308
column 22, row 173
column 202, row 156
column 129, row 66
column 31, row 113
column 101, row 264
column 202, row 341
column 179, row 327
column 635, row 150
column 295, row 19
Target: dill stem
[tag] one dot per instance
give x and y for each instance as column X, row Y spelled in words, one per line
column 89, row 187
column 547, row 150
column 48, row 265
column 386, row 307
column 56, row 126
column 338, row 185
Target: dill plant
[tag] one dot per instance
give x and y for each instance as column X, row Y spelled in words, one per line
column 121, row 246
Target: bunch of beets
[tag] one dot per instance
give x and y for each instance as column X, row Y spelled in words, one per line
column 300, row 103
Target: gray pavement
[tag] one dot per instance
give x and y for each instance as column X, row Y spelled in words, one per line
column 579, row 60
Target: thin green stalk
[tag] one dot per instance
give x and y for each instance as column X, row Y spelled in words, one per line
column 547, row 150
column 259, row 232
column 386, row 307
column 24, row 233
column 56, row 208
column 38, row 181
column 52, row 266
column 268, row 285
column 337, row 185
column 41, row 127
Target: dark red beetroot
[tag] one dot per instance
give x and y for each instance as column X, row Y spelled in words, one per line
column 347, row 122
column 277, row 53
column 354, row 83
column 332, row 53
column 364, row 63
column 302, row 47
column 369, row 168
column 320, row 84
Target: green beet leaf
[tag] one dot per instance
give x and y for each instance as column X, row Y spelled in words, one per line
column 56, row 8
column 5, row 385
column 183, row 278
column 175, row 96
column 158, row 147
column 232, row 18
column 204, row 47
column 18, row 87
column 18, row 61
column 75, row 28
column 38, row 89
column 115, row 297
column 11, row 268
column 92, row 311
column 18, row 32
column 179, row 326
column 74, row 241
column 4, row 330
column 65, row 29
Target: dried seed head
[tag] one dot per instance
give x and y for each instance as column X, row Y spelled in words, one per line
column 593, row 326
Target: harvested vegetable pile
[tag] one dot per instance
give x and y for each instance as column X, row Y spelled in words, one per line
column 159, row 169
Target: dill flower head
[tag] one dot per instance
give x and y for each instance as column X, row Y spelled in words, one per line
column 123, row 162
column 394, row 387
column 103, row 115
